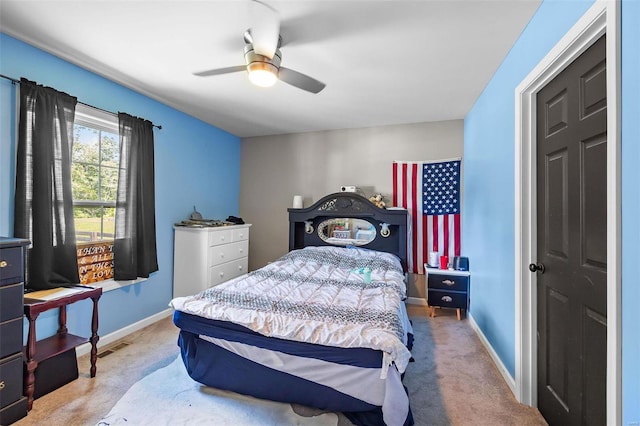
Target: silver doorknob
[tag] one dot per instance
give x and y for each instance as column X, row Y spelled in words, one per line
column 536, row 267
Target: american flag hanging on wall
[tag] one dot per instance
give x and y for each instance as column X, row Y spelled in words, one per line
column 430, row 191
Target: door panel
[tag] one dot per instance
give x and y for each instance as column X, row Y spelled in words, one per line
column 594, row 201
column 556, row 194
column 571, row 240
column 557, row 379
column 594, row 375
column 593, row 90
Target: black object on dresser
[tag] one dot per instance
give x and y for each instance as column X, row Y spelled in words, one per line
column 447, row 288
column 13, row 404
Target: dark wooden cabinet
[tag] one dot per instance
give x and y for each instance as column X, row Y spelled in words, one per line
column 447, row 289
column 13, row 404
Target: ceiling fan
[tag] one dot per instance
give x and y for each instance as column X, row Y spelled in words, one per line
column 262, row 54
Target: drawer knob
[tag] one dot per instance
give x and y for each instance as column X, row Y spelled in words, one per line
column 239, row 267
column 222, row 255
column 447, row 299
column 241, row 250
column 2, row 385
column 448, row 282
column 3, row 264
column 221, row 274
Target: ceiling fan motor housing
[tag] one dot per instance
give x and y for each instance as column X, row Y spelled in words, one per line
column 256, row 61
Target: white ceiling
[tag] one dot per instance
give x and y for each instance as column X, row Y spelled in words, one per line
column 384, row 62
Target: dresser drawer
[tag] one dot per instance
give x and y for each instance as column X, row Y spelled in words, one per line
column 11, row 266
column 11, row 306
column 447, row 299
column 10, row 379
column 448, row 282
column 221, row 236
column 13, row 412
column 240, row 234
column 11, row 332
column 225, row 272
column 228, row 252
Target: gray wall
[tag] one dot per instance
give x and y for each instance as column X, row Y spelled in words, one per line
column 275, row 168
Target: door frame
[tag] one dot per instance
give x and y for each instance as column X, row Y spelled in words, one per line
column 603, row 17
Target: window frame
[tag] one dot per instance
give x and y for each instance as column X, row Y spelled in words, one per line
column 98, row 119
column 103, row 121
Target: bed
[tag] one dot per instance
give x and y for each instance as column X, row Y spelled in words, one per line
column 324, row 326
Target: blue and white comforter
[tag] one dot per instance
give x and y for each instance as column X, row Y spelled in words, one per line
column 320, row 295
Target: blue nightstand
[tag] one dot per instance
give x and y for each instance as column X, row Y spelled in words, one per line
column 447, row 288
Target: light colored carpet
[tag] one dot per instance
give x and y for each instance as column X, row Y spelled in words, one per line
column 452, row 381
column 169, row 396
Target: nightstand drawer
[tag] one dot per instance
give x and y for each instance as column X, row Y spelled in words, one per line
column 447, row 299
column 448, row 282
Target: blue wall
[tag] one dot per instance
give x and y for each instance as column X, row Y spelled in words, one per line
column 630, row 210
column 489, row 186
column 195, row 164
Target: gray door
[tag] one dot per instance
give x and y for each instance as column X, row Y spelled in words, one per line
column 572, row 242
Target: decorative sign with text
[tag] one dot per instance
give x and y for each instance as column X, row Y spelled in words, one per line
column 95, row 261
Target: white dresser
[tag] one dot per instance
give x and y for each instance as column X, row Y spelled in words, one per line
column 204, row 257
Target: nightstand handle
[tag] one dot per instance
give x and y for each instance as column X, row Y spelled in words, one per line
column 3, row 263
column 447, row 299
column 448, row 282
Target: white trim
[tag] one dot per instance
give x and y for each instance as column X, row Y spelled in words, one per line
column 417, row 301
column 614, row 216
column 492, row 353
column 89, row 116
column 438, row 271
column 124, row 332
column 603, row 16
column 109, row 285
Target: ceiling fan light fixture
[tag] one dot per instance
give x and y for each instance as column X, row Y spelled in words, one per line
column 262, row 74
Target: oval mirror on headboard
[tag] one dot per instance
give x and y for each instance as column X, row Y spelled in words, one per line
column 346, row 231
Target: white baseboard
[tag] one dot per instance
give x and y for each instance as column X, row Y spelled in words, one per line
column 123, row 332
column 492, row 353
column 416, row 301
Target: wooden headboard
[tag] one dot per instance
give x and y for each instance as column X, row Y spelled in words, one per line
column 350, row 205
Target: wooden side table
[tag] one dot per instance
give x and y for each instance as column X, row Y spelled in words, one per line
column 62, row 341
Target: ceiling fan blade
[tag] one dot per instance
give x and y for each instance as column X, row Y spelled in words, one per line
column 301, row 81
column 265, row 28
column 219, row 71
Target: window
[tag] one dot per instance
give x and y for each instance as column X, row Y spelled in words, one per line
column 94, row 175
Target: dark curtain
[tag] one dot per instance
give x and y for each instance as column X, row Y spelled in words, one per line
column 43, row 200
column 135, row 240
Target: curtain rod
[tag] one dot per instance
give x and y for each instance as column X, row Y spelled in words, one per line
column 15, row 81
